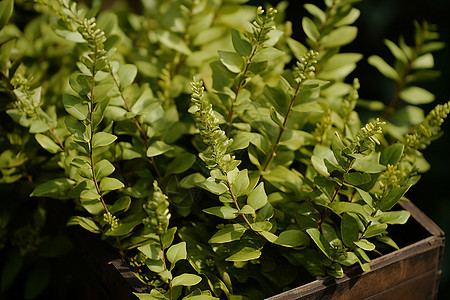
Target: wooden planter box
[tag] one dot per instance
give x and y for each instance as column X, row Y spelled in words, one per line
column 409, row 273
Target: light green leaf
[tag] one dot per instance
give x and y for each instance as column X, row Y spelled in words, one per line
column 340, row 36
column 425, row 61
column 126, row 74
column 396, row 51
column 110, row 184
column 38, row 126
column 349, row 230
column 416, row 95
column 158, row 148
column 297, row 48
column 152, row 251
column 374, row 230
column 357, row 178
column 173, row 41
column 75, row 107
column 240, row 183
column 365, row 196
column 257, row 198
column 176, row 252
column 223, row 212
column 217, row 188
column 232, row 61
column 316, row 12
column 167, row 237
column 388, row 241
column 86, row 223
column 292, row 238
column 240, row 44
column 310, row 29
column 245, row 254
column 6, row 9
column 103, row 139
column 268, row 53
column 47, row 143
column 229, row 233
column 186, row 279
column 103, row 168
column 192, row 180
column 341, row 207
column 383, row 67
column 394, row 217
column 368, row 164
column 365, row 245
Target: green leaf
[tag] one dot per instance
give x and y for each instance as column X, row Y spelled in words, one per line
column 47, row 143
column 223, row 212
column 392, row 154
column 192, row 180
column 258, row 197
column 310, row 29
column 126, row 73
column 37, row 279
column 383, row 67
column 186, row 279
column 388, row 241
column 316, row 12
column 357, row 178
column 416, row 95
column 110, row 184
column 268, row 53
column 365, row 196
column 396, row 51
column 173, row 41
column 315, row 235
column 393, row 197
column 38, row 126
column 12, row 265
column 75, row 107
column 374, row 230
column 240, row 44
column 86, row 223
column 103, row 168
column 240, row 183
column 152, row 251
column 167, row 237
column 76, row 128
column 6, row 9
column 232, row 61
column 341, row 207
column 53, row 188
column 181, row 163
column 217, row 188
column 349, row 230
column 176, row 252
column 394, row 217
column 158, row 148
column 103, row 139
column 425, row 61
column 245, row 254
column 340, row 36
column 365, row 245
column 123, row 203
column 229, row 233
column 292, row 238
column 368, row 164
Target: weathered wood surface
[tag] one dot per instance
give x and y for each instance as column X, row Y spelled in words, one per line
column 409, row 273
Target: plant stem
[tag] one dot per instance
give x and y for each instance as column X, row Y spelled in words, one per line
column 324, row 213
column 165, row 264
column 135, row 121
column 282, row 128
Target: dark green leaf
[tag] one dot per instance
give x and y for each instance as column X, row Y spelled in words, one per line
column 349, row 230
column 240, row 44
column 181, row 163
column 374, row 230
column 315, row 234
column 53, row 188
column 393, row 197
column 37, row 280
column 158, row 148
column 86, row 223
column 6, row 9
column 392, row 154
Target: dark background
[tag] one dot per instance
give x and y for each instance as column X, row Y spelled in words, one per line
column 382, row 19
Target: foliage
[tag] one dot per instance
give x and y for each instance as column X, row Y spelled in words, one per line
column 213, row 150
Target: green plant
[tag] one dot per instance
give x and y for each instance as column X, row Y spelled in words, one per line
column 214, row 151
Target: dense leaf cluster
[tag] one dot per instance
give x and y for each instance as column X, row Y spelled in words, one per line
column 214, row 151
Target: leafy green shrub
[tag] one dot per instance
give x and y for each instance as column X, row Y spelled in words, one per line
column 214, row 151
